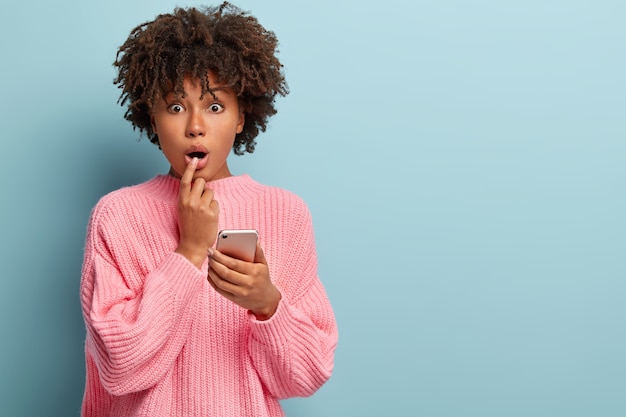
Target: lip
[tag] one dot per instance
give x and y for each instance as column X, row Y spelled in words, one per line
column 197, row 148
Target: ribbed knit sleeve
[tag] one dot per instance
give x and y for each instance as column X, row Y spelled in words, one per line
column 137, row 315
column 293, row 351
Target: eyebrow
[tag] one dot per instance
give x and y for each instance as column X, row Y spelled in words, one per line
column 211, row 91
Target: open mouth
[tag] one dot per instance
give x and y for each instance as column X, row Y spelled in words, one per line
column 198, row 155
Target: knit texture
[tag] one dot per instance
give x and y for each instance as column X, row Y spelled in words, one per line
column 161, row 342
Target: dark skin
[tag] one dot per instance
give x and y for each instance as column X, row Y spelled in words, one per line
column 190, row 43
column 246, row 284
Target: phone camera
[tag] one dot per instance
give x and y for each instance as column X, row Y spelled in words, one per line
column 224, row 236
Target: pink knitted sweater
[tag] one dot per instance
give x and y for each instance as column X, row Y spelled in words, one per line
column 161, row 342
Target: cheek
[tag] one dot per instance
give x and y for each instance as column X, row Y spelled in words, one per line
column 168, row 130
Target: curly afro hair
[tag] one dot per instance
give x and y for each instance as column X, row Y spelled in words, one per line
column 158, row 55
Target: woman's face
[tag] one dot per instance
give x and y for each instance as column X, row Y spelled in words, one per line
column 204, row 128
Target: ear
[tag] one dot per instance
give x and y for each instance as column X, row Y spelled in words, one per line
column 240, row 122
column 153, row 124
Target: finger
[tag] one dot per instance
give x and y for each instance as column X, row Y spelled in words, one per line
column 222, row 263
column 215, row 205
column 259, row 255
column 198, row 186
column 207, row 193
column 229, row 265
column 221, row 284
column 212, row 277
column 187, row 177
column 214, row 210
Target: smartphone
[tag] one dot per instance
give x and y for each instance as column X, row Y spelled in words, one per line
column 240, row 244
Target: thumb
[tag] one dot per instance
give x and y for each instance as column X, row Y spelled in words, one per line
column 259, row 256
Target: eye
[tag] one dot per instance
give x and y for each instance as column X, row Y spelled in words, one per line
column 175, row 108
column 216, row 108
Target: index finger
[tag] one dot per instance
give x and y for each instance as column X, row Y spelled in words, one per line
column 187, row 177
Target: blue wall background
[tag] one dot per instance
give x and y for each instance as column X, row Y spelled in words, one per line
column 465, row 164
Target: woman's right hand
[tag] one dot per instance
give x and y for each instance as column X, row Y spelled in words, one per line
column 198, row 213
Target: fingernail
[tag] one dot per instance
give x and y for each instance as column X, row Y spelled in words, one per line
column 194, row 160
column 210, row 251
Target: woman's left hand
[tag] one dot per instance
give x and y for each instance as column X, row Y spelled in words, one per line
column 247, row 284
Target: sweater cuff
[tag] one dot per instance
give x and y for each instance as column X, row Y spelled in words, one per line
column 183, row 276
column 275, row 330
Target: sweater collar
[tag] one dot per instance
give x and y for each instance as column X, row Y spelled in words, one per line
column 167, row 186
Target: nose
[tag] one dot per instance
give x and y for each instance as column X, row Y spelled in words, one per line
column 195, row 125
